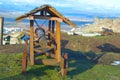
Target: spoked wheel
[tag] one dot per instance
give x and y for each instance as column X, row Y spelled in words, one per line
column 24, row 62
column 64, row 65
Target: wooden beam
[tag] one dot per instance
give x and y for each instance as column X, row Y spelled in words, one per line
column 1, row 30
column 49, row 29
column 31, row 40
column 58, row 38
column 51, row 62
column 41, row 13
column 47, row 18
column 21, row 18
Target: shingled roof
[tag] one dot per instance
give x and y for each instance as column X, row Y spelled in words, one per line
column 50, row 10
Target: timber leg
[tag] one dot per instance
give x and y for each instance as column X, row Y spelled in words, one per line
column 64, row 64
column 24, row 62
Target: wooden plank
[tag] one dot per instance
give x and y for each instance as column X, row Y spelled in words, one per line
column 58, row 38
column 47, row 18
column 1, row 30
column 51, row 62
column 31, row 41
column 21, row 18
column 37, row 50
column 50, row 55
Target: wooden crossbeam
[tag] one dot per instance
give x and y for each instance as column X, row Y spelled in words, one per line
column 47, row 18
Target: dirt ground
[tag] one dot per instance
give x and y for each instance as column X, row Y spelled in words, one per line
column 16, row 48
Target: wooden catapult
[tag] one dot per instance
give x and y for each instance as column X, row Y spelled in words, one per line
column 53, row 36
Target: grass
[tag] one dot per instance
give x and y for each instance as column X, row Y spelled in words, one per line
column 82, row 66
column 79, row 69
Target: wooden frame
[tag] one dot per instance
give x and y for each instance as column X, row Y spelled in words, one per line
column 46, row 12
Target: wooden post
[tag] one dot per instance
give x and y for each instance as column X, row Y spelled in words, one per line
column 49, row 29
column 53, row 26
column 41, row 13
column 1, row 30
column 58, row 51
column 31, row 40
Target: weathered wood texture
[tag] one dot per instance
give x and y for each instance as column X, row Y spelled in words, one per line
column 53, row 48
column 58, row 51
column 47, row 62
column 31, row 41
column 45, row 12
column 47, row 18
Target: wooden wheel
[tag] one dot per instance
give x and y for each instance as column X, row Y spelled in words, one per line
column 24, row 62
column 64, row 65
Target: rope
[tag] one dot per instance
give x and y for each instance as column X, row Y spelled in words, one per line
column 38, row 24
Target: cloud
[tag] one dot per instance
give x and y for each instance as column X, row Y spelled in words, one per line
column 1, row 3
column 78, row 5
column 11, row 14
column 23, row 1
column 69, row 6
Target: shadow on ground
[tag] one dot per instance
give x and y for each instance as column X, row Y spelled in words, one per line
column 80, row 62
column 107, row 47
column 32, row 74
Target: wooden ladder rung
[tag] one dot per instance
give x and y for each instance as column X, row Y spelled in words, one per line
column 36, row 43
column 51, row 62
column 37, row 50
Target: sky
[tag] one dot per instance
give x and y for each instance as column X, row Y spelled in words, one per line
column 70, row 8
